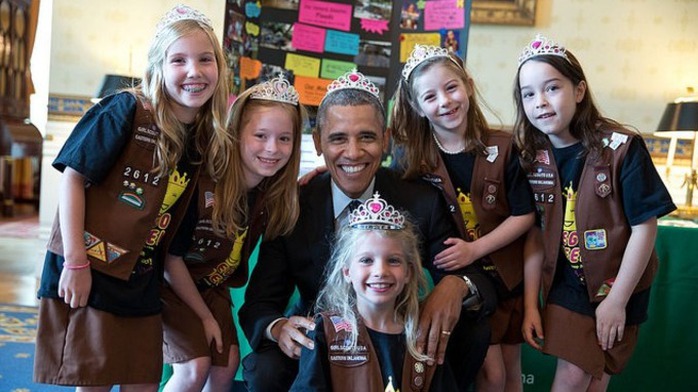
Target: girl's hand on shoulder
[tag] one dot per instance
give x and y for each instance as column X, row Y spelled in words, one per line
column 212, row 331
column 459, row 254
column 305, row 178
column 532, row 328
column 610, row 323
column 74, row 286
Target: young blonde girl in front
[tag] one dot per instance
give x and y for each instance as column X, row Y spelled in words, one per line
column 599, row 196
column 443, row 136
column 129, row 169
column 368, row 310
column 256, row 195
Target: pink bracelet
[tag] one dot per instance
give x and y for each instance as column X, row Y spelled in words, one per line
column 76, row 267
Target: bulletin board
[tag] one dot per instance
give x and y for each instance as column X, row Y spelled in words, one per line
column 313, row 42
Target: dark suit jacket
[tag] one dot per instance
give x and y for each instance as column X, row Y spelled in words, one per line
column 299, row 259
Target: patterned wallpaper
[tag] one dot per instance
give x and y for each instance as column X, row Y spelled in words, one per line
column 638, row 54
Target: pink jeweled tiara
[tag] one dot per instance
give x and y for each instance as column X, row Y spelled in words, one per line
column 542, row 46
column 181, row 12
column 422, row 53
column 353, row 80
column 277, row 89
column 376, row 214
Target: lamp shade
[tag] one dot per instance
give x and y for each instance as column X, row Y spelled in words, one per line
column 679, row 116
column 114, row 83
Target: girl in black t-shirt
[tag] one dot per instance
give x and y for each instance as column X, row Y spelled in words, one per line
column 368, row 310
column 444, row 137
column 128, row 169
column 600, row 195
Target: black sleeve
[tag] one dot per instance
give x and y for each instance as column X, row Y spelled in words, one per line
column 644, row 193
column 519, row 193
column 99, row 137
column 314, row 368
column 268, row 291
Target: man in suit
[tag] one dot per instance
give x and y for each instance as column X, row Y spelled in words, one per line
column 352, row 138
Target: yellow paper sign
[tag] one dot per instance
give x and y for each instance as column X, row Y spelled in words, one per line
column 408, row 41
column 303, row 65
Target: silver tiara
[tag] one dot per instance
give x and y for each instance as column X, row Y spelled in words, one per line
column 542, row 46
column 353, row 80
column 376, row 214
column 277, row 89
column 182, row 12
column 420, row 54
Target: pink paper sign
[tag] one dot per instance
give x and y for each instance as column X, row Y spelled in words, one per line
column 378, row 26
column 443, row 14
column 325, row 14
column 308, row 38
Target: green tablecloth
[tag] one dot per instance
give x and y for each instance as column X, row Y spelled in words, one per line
column 661, row 361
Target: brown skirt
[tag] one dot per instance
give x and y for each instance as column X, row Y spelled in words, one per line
column 572, row 337
column 89, row 347
column 506, row 322
column 184, row 337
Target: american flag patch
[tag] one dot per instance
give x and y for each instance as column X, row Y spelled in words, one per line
column 542, row 157
column 208, row 199
column 340, row 324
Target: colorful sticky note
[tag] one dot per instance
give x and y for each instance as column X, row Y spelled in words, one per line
column 342, row 43
column 308, row 38
column 443, row 14
column 250, row 68
column 311, row 90
column 302, row 65
column 252, row 29
column 332, row 69
column 325, row 14
column 407, row 42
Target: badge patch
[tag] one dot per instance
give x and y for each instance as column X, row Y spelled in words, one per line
column 114, row 252
column 595, row 239
column 339, row 355
column 133, row 199
column 605, row 287
column 90, row 240
column 98, row 252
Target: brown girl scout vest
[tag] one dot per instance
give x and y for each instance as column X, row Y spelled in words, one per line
column 213, row 260
column 489, row 197
column 122, row 212
column 601, row 223
column 359, row 370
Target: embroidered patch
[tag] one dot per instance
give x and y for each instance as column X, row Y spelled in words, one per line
column 543, row 157
column 133, row 199
column 541, row 178
column 605, row 287
column 595, row 239
column 419, row 367
column 114, row 252
column 340, row 355
column 98, row 252
column 90, row 240
column 340, row 324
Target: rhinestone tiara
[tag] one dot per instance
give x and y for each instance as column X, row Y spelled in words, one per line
column 422, row 53
column 182, row 12
column 354, row 80
column 541, row 46
column 376, row 214
column 277, row 89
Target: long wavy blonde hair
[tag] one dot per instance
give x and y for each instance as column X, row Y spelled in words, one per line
column 338, row 296
column 210, row 136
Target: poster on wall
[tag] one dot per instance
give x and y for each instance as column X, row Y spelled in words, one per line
column 314, row 41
